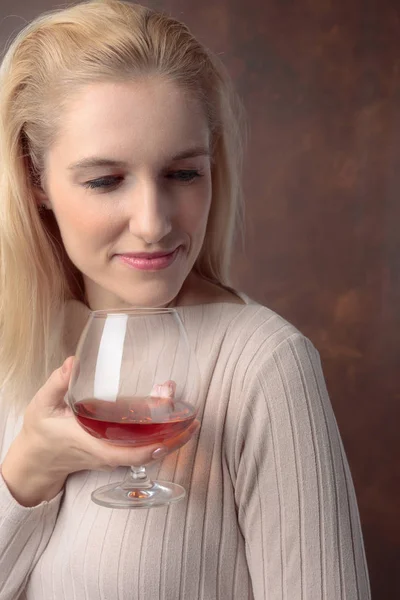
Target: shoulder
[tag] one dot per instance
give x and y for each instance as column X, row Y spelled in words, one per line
column 261, row 332
column 278, row 380
column 247, row 338
column 266, row 347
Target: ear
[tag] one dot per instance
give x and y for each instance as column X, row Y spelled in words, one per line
column 41, row 197
column 35, row 180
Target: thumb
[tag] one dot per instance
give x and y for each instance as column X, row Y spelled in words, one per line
column 51, row 394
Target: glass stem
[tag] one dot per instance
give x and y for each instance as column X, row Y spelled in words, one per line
column 137, row 478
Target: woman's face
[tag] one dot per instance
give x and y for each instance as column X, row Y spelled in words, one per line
column 129, row 182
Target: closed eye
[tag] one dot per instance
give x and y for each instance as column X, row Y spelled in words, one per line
column 184, row 175
column 104, row 183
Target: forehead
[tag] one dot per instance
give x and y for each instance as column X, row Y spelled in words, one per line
column 138, row 118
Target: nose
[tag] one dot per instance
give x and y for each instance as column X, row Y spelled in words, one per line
column 150, row 215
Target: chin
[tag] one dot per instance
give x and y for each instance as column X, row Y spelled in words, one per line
column 123, row 292
column 154, row 296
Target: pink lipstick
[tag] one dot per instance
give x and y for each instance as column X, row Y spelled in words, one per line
column 149, row 261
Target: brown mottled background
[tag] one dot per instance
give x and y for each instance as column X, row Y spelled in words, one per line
column 321, row 83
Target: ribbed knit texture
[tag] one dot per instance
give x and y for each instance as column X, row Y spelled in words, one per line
column 270, row 512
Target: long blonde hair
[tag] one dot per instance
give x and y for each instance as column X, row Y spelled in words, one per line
column 50, row 59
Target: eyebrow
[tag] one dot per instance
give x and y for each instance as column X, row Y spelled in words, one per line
column 98, row 161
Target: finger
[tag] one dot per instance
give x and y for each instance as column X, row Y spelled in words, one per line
column 165, row 390
column 52, row 393
column 161, row 400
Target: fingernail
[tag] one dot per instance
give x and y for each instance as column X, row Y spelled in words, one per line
column 159, row 453
column 64, row 368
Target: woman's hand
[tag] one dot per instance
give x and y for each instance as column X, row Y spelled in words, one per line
column 51, row 445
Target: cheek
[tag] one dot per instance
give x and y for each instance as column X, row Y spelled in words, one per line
column 78, row 225
column 81, row 226
column 194, row 214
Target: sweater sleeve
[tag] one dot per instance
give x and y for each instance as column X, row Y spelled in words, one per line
column 295, row 498
column 24, row 533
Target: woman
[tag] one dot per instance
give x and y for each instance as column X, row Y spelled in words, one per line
column 120, row 156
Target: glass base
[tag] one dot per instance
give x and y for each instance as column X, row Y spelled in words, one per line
column 121, row 495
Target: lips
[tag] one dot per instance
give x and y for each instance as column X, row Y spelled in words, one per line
column 146, row 261
column 148, row 255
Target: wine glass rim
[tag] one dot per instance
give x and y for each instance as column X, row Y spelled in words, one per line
column 151, row 310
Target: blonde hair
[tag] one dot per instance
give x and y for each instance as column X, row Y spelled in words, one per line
column 54, row 56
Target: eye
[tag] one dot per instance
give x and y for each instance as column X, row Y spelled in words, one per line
column 104, row 183
column 184, row 175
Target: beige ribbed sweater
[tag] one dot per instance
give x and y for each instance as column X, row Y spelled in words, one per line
column 270, row 512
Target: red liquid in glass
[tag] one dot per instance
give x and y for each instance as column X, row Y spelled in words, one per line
column 134, row 421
